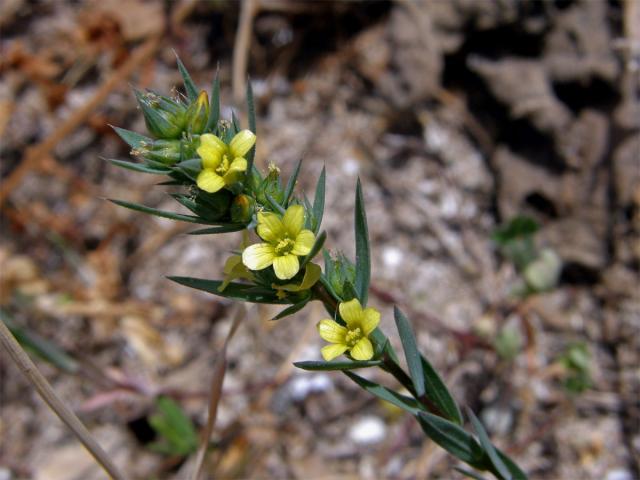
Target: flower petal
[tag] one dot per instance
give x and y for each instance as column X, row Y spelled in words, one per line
column 304, row 242
column 239, row 164
column 242, row 143
column 363, row 350
column 270, row 227
column 258, row 256
column 351, row 312
column 293, row 220
column 211, row 150
column 232, row 176
column 331, row 331
column 329, row 352
column 370, row 320
column 209, row 181
column 286, row 266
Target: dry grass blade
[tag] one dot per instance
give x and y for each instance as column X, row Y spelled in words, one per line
column 219, row 371
column 28, row 368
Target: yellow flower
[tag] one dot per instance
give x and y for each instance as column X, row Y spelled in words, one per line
column 354, row 337
column 223, row 164
column 285, row 241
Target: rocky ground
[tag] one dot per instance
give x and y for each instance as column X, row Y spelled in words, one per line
column 456, row 115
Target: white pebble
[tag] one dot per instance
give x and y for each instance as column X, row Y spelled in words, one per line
column 368, row 430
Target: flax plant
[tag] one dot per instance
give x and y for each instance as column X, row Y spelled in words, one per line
column 209, row 162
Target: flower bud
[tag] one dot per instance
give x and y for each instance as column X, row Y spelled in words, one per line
column 340, row 271
column 164, row 117
column 198, row 114
column 165, row 151
column 242, row 209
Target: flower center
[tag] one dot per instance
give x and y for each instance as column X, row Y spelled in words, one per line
column 353, row 336
column 224, row 165
column 284, row 246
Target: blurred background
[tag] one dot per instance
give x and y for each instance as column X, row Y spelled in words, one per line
column 498, row 143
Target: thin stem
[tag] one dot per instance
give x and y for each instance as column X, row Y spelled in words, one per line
column 28, row 368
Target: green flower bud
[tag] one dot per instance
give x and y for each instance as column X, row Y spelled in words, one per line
column 198, row 114
column 242, row 209
column 340, row 272
column 165, row 118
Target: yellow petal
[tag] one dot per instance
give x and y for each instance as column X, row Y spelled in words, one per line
column 293, row 220
column 209, row 181
column 258, row 256
column 331, row 331
column 232, row 176
column 363, row 350
column 304, row 242
column 370, row 320
column 330, row 352
column 286, row 266
column 242, row 143
column 351, row 312
column 270, row 227
column 239, row 164
column 211, row 150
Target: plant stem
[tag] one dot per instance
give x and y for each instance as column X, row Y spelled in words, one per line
column 29, row 369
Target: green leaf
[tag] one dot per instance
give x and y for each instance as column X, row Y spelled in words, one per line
column 401, row 401
column 235, row 291
column 189, row 86
column 291, row 184
column 274, row 204
column 175, row 427
column 439, row 394
column 214, row 105
column 339, row 365
column 469, row 473
column 251, row 113
column 133, row 139
column 235, row 123
column 43, row 348
column 452, row 438
column 232, row 227
column 138, row 167
column 161, row 213
column 485, row 442
column 410, row 351
column 318, row 201
column 363, row 254
column 318, row 244
column 516, row 472
column 296, row 307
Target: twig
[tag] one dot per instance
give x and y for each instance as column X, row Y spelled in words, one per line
column 248, row 11
column 33, row 154
column 219, row 370
column 28, row 368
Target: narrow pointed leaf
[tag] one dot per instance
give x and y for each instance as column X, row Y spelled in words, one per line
column 189, row 86
column 363, row 254
column 251, row 113
column 214, row 106
column 235, row 291
column 138, row 167
column 439, row 394
column 410, row 351
column 161, row 213
column 452, row 438
column 235, row 123
column 291, row 184
column 296, row 307
column 516, row 471
column 318, row 201
column 489, row 449
column 133, row 139
column 232, row 227
column 274, row 204
column 469, row 473
column 319, row 243
column 339, row 365
column 401, row 401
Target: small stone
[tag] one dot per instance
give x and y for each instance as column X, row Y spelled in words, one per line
column 368, row 430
